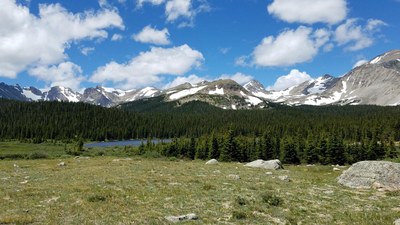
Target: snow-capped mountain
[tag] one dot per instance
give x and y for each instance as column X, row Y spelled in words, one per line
column 226, row 94
column 102, row 96
column 376, row 82
column 257, row 89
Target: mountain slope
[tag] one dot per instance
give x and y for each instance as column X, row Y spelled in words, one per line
column 374, row 83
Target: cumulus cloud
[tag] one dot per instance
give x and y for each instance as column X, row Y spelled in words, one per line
column 356, row 37
column 240, row 78
column 183, row 11
column 153, row 36
column 116, row 37
column 28, row 40
column 295, row 77
column 178, row 8
column 309, row 11
column 360, row 63
column 139, row 3
column 289, row 47
column 66, row 74
column 192, row 79
column 147, row 67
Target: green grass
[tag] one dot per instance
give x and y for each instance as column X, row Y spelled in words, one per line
column 21, row 150
column 13, row 150
column 103, row 190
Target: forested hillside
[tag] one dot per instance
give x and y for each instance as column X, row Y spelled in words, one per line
column 250, row 132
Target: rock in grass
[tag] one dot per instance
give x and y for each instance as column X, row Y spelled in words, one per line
column 61, row 164
column 270, row 164
column 372, row 174
column 233, row 176
column 397, row 222
column 212, row 162
column 175, row 219
column 284, row 178
column 336, row 169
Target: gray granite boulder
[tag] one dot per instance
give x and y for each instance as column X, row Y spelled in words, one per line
column 270, row 164
column 372, row 174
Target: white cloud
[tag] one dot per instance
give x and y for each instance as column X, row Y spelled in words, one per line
column 360, row 63
column 28, row 40
column 192, row 79
column 289, row 47
column 309, row 11
column 328, row 47
column 356, row 37
column 242, row 60
column 86, row 50
column 139, row 3
column 295, row 77
column 224, row 51
column 147, row 67
column 116, row 37
column 240, row 78
column 66, row 74
column 178, row 8
column 153, row 36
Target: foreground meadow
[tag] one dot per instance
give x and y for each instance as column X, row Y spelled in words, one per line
column 110, row 190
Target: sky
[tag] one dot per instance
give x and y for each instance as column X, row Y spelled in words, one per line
column 130, row 44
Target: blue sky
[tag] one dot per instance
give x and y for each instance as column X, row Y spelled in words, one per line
column 136, row 43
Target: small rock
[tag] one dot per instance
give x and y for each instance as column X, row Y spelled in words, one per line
column 284, row 178
column 309, row 165
column 216, row 171
column 82, row 157
column 212, row 162
column 62, row 164
column 268, row 173
column 233, row 176
column 15, row 165
column 175, row 219
column 24, row 182
column 126, row 159
column 397, row 222
column 336, row 169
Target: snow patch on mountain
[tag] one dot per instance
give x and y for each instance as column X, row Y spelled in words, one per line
column 319, row 86
column 218, row 91
column 185, row 93
column 29, row 94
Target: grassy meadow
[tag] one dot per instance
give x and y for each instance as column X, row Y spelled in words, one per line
column 120, row 190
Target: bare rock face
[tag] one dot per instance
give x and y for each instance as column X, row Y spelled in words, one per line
column 372, row 174
column 270, row 164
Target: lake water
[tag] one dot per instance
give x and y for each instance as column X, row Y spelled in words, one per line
column 134, row 143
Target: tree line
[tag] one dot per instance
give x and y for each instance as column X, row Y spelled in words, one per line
column 359, row 132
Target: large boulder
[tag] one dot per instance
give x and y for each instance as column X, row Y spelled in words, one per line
column 270, row 164
column 212, row 162
column 372, row 174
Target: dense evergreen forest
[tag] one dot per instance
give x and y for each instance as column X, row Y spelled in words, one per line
column 330, row 134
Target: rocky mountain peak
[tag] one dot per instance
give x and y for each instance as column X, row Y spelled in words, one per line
column 386, row 57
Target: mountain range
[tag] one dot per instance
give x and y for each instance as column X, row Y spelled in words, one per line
column 376, row 82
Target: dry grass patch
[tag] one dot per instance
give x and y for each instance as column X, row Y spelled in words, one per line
column 144, row 191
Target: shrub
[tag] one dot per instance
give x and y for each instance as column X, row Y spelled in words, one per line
column 271, row 199
column 239, row 215
column 38, row 155
column 240, row 200
column 96, row 198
